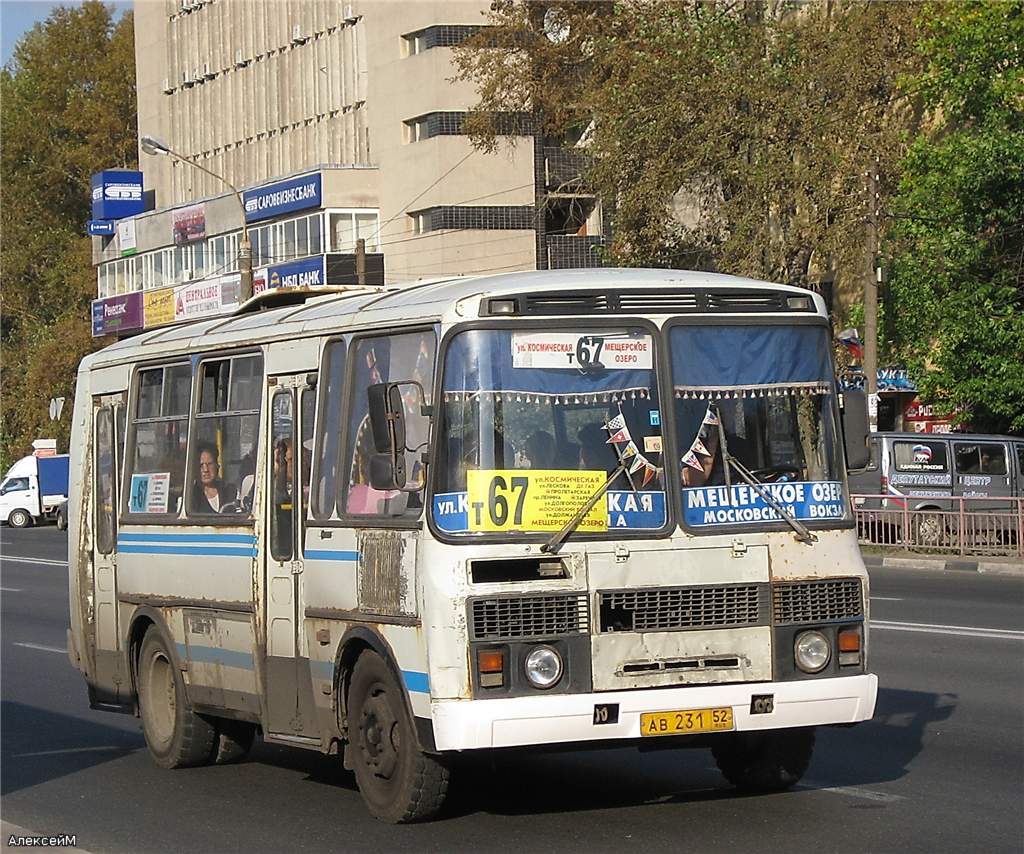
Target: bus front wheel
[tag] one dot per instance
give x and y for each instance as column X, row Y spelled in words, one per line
column 767, row 761
column 398, row 781
column 176, row 736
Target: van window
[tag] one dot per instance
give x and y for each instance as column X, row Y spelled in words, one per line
column 980, row 458
column 222, row 468
column 158, row 438
column 921, row 455
column 15, row 484
column 390, row 358
column 1020, row 460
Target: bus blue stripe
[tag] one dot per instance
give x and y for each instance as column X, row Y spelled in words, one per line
column 128, row 536
column 214, row 655
column 317, row 554
column 210, row 550
column 416, row 682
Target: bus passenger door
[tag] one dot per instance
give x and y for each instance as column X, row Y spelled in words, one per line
column 288, row 683
column 108, row 423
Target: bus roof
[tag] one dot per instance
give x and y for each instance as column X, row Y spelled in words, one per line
column 424, row 301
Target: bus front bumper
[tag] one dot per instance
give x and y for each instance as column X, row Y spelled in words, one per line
column 521, row 721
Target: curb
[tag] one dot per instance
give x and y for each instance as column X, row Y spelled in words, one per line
column 957, row 564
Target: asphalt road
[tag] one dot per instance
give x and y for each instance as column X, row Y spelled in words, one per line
column 940, row 768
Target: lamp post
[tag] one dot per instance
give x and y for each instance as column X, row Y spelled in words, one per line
column 151, row 145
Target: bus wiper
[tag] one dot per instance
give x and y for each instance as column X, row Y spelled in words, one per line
column 802, row 534
column 554, row 544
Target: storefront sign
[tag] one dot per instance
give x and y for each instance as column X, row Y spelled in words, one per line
column 921, row 417
column 116, row 194
column 189, row 224
column 196, row 300
column 581, row 351
column 295, row 194
column 101, row 227
column 118, row 314
column 126, row 236
column 307, row 273
column 158, row 307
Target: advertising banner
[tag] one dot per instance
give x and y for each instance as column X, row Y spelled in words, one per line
column 196, row 300
column 295, row 194
column 126, row 236
column 158, row 307
column 118, row 314
column 189, row 224
column 116, row 194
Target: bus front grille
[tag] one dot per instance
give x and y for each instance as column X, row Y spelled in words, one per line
column 519, row 617
column 672, row 608
column 817, row 601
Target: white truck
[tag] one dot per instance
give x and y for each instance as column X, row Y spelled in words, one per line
column 33, row 489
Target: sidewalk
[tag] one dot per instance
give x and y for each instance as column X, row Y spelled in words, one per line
column 965, row 563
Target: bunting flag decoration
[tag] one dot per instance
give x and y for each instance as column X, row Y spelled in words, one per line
column 617, row 423
column 691, row 460
column 621, row 436
column 638, row 464
column 629, row 451
column 698, row 446
column 711, row 417
column 649, row 472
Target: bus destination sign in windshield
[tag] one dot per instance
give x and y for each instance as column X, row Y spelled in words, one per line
column 581, row 351
column 713, row 505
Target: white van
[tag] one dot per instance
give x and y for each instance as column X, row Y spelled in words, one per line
column 33, row 489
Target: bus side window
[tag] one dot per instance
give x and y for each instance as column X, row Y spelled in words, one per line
column 222, row 468
column 106, row 513
column 327, row 451
column 157, row 439
column 393, row 358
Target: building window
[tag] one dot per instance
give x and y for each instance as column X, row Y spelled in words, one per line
column 441, row 35
column 488, row 217
column 348, row 226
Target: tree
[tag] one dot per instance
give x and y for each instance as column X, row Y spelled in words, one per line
column 67, row 110
column 957, row 290
column 731, row 135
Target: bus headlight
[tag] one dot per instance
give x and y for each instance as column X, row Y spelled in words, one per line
column 811, row 651
column 543, row 667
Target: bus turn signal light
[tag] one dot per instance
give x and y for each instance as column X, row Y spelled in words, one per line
column 491, row 665
column 849, row 646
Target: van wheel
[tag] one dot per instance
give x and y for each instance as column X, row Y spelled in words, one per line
column 398, row 782
column 62, row 521
column 764, row 761
column 19, row 519
column 234, row 740
column 176, row 736
column 930, row 530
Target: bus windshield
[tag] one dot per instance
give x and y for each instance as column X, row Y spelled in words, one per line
column 764, row 395
column 533, row 422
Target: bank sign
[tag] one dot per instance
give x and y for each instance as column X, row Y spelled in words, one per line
column 307, row 273
column 295, row 194
column 114, row 315
column 116, row 194
column 807, row 501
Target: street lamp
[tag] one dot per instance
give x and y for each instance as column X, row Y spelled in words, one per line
column 151, row 145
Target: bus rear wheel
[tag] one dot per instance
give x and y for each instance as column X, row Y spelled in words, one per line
column 176, row 736
column 764, row 761
column 398, row 781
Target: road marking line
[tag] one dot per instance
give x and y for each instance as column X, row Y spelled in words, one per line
column 852, row 791
column 967, row 631
column 10, row 590
column 42, row 648
column 44, row 561
column 61, row 752
column 885, row 599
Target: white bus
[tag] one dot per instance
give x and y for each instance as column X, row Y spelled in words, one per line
column 571, row 507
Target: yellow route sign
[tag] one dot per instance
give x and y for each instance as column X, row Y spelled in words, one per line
column 533, row 499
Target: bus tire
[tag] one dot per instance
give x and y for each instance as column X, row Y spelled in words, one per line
column 398, row 782
column 20, row 519
column 176, row 736
column 767, row 761
column 234, row 740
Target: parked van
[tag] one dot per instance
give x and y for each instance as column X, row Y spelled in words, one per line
column 925, row 471
column 33, row 489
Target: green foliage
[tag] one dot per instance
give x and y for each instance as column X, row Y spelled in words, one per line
column 729, row 135
column 958, row 272
column 67, row 110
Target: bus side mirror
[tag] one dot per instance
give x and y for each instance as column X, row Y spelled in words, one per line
column 854, row 409
column 387, row 423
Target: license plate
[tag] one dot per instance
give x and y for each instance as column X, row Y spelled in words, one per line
column 688, row 721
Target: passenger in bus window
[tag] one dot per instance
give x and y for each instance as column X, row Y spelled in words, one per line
column 209, row 493
column 595, row 452
column 540, row 450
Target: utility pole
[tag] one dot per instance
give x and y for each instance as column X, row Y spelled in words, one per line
column 871, row 293
column 360, row 261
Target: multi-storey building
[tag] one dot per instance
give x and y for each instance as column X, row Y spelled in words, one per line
column 336, row 121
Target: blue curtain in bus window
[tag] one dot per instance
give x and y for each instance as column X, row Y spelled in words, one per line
column 481, row 360
column 769, row 359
